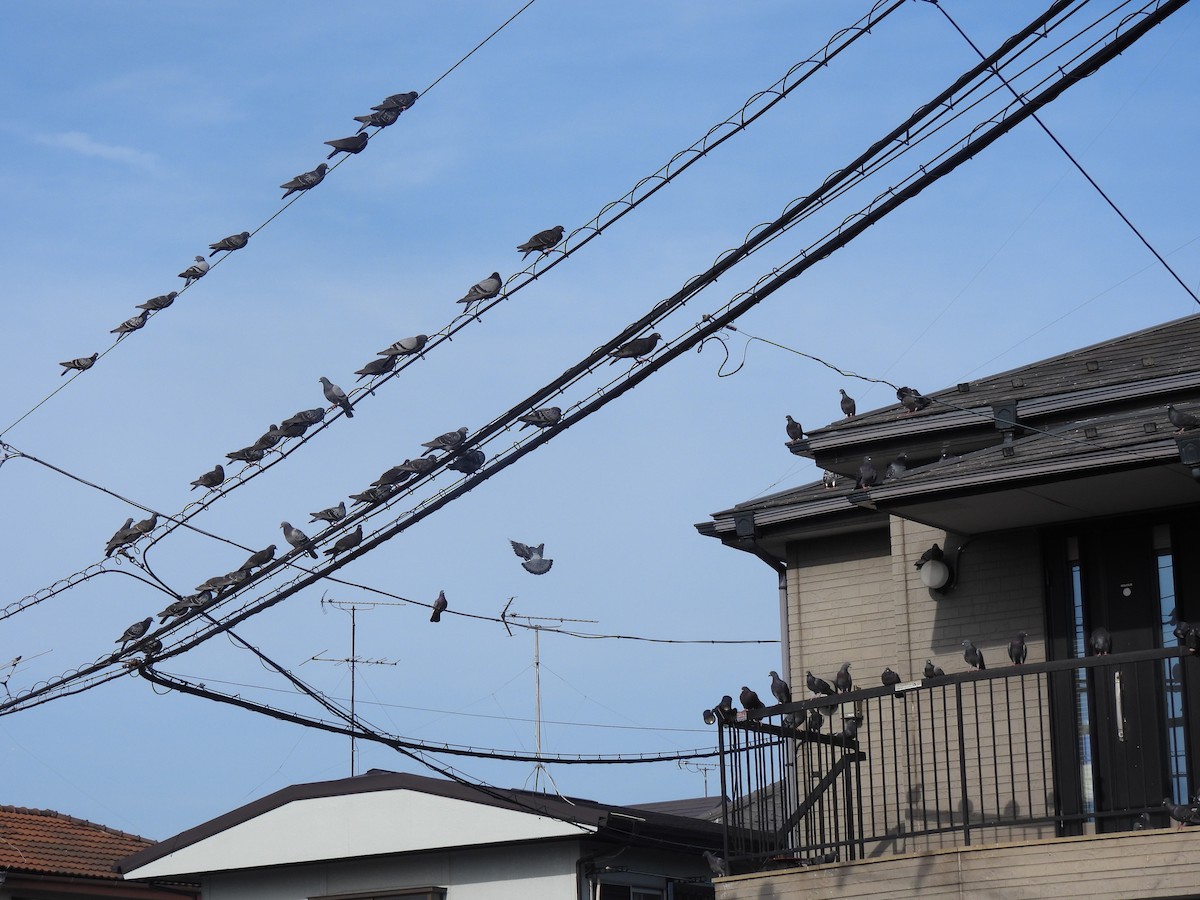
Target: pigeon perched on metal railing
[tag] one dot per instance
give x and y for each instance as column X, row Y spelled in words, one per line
column 819, row 685
column 750, row 699
column 542, row 241
column 440, row 605
column 973, row 656
column 889, row 677
column 843, row 680
column 304, row 181
column 932, row 671
column 534, row 563
column 1100, row 641
column 337, row 396
column 210, row 479
column 716, row 864
column 298, row 539
column 779, row 688
column 483, row 290
column 162, row 301
column 229, row 244
column 195, row 271
column 330, row 515
column 80, row 364
column 1017, row 651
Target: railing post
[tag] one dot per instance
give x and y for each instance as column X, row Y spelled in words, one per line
column 724, row 790
column 962, row 763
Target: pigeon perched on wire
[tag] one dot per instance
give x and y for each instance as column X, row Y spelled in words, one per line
column 1181, row 420
column 131, row 324
column 451, row 440
column 849, row 407
column 420, row 466
column 483, row 290
column 259, row 558
column 145, row 526
column 541, row 418
column 405, row 346
column 440, row 605
column 750, row 699
column 889, row 677
column 286, row 429
column 307, row 416
column 346, row 542
column 394, row 475
column 843, row 680
column 210, row 479
column 533, row 563
column 134, row 631
column 195, row 271
column 794, row 431
column 298, row 539
column 635, row 349
column 79, row 364
column 121, row 536
column 330, row 515
column 911, row 399
column 1017, row 651
column 380, row 366
column 718, row 866
column 467, row 462
column 247, row 455
column 162, row 301
column 867, row 475
column 932, row 671
column 973, row 656
column 542, row 241
column 896, row 467
column 229, row 244
column 304, row 181
column 819, row 685
column 1101, row 641
column 381, row 119
column 269, row 438
column 779, row 688
column 398, row 102
column 373, row 495
column 356, row 143
column 337, row 396
column 212, row 584
column 174, row 610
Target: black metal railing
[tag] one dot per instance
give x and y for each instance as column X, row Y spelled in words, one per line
column 1032, row 751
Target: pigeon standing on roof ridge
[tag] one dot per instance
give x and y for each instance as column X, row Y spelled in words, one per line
column 849, row 407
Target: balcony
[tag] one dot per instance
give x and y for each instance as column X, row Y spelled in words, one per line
column 1079, row 754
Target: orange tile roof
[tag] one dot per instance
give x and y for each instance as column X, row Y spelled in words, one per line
column 46, row 842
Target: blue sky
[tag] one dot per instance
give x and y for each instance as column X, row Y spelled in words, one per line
column 138, row 133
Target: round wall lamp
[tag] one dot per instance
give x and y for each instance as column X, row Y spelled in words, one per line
column 935, row 574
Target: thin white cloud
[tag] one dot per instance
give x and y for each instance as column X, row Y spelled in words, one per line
column 85, row 145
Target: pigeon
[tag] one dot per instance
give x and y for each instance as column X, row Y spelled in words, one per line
column 330, row 515
column 298, row 539
column 541, row 418
column 374, row 494
column 889, row 677
column 842, row 680
column 850, row 728
column 973, row 656
column 381, row 119
column 1101, row 641
column 134, row 631
column 896, row 467
column 719, row 867
column 932, row 671
column 394, row 475
column 451, row 440
column 911, row 399
column 815, row 720
column 195, row 271
column 829, row 479
column 542, row 241
column 398, row 102
column 635, row 349
column 468, row 462
column 286, row 430
column 405, row 346
column 199, row 600
column 247, row 455
column 848, row 405
column 794, row 431
column 151, row 647
column 122, row 535
column 933, row 554
column 213, row 584
column 867, row 475
column 174, row 610
column 81, row 363
column 307, row 416
column 146, row 525
column 259, row 559
column 534, row 563
column 162, row 301
column 304, row 181
column 819, row 685
column 484, row 290
column 210, row 479
column 229, row 244
column 131, row 324
column 272, row 436
column 420, row 465
column 1184, row 815
column 780, row 689
column 439, row 606
column 377, row 367
column 337, row 396
column 1017, row 651
column 724, row 710
column 237, row 576
column 356, row 143
column 1181, row 420
column 346, row 542
column 750, row 699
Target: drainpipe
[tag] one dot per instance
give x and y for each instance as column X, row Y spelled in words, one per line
column 746, row 529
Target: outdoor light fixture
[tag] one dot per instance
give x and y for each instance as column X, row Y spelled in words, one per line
column 935, row 574
column 710, row 717
column 744, row 525
column 1189, row 452
column 937, row 566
